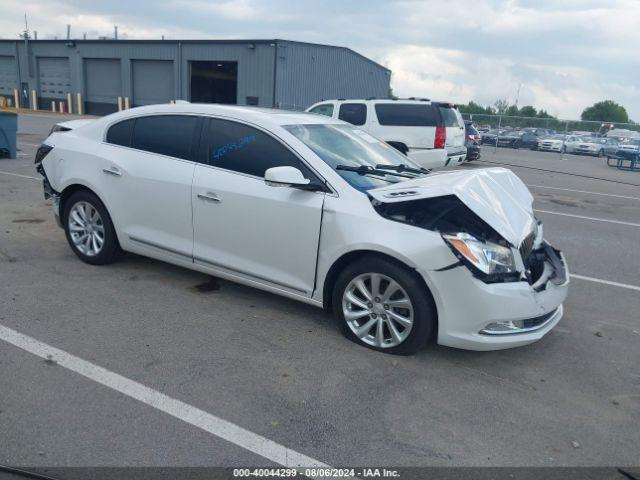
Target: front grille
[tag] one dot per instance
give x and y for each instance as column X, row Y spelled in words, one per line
column 526, row 246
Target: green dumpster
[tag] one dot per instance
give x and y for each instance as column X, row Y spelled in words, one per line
column 8, row 134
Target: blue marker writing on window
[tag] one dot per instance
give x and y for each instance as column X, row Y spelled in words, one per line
column 242, row 142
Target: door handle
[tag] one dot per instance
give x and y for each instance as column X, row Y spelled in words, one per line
column 210, row 197
column 112, row 171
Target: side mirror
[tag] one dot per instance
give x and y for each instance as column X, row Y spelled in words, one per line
column 285, row 177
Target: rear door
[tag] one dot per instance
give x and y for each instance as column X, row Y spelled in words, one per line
column 146, row 181
column 452, row 120
column 246, row 228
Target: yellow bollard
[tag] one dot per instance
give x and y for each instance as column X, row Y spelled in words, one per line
column 119, row 104
column 16, row 97
column 79, row 102
column 127, row 105
column 53, row 107
column 34, row 100
column 69, row 103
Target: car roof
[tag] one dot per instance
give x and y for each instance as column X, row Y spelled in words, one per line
column 421, row 101
column 257, row 115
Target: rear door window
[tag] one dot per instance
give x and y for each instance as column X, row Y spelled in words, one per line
column 170, row 135
column 354, row 113
column 406, row 115
column 324, row 109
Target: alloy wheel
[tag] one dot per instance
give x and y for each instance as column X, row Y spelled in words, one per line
column 86, row 228
column 378, row 310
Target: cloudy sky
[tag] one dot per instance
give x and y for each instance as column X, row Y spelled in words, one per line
column 565, row 54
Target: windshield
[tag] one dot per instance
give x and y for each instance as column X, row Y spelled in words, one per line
column 347, row 145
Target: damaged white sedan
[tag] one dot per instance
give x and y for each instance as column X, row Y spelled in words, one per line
column 317, row 210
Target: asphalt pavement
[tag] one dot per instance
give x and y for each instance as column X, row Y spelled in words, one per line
column 281, row 370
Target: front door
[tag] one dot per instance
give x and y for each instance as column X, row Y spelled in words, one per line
column 245, row 227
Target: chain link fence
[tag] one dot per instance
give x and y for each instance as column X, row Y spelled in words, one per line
column 553, row 125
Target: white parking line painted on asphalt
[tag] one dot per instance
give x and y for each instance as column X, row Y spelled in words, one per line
column 19, row 175
column 606, row 282
column 584, row 191
column 194, row 416
column 595, row 219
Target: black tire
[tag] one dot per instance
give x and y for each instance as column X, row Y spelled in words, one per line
column 425, row 316
column 516, row 145
column 110, row 250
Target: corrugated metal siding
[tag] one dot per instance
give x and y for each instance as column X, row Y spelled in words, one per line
column 309, row 73
column 306, row 73
column 153, row 81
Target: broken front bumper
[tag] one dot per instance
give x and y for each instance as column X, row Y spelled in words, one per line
column 489, row 316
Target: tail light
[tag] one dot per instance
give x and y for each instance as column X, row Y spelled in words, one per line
column 42, row 152
column 441, row 137
column 476, row 137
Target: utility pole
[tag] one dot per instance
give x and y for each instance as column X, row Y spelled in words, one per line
column 115, row 32
column 518, row 93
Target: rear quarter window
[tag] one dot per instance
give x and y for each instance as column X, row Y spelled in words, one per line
column 399, row 115
column 120, row 133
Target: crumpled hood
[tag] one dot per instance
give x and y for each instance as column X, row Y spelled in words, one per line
column 496, row 195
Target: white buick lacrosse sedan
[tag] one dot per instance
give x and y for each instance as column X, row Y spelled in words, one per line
column 317, row 210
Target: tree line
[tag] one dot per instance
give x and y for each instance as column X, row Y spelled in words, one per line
column 604, row 111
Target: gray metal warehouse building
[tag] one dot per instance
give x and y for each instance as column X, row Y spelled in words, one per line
column 269, row 73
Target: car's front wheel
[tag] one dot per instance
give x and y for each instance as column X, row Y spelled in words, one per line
column 383, row 306
column 89, row 229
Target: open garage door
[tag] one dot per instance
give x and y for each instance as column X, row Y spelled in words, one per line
column 103, row 84
column 214, row 82
column 54, row 80
column 153, row 82
column 8, row 77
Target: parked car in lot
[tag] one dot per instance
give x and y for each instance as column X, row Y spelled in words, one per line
column 551, row 143
column 571, row 143
column 314, row 209
column 597, row 146
column 429, row 133
column 630, row 145
column 491, row 137
column 472, row 141
column 509, row 139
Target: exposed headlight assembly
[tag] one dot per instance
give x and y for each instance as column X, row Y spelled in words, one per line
column 489, row 261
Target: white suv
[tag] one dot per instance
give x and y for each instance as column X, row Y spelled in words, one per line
column 430, row 133
column 316, row 210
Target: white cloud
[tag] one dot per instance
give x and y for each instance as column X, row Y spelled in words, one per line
column 567, row 54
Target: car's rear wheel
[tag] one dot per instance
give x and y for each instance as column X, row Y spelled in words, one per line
column 383, row 306
column 89, row 229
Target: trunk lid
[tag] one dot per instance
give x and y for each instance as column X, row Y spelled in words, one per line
column 496, row 195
